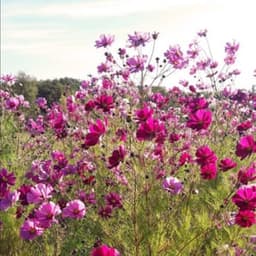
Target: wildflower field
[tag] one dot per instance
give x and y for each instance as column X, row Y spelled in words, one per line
column 128, row 167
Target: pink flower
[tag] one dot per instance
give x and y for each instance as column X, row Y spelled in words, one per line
column 9, row 79
column 39, row 193
column 104, row 41
column 12, row 103
column 246, row 146
column 138, row 39
column 172, row 185
column 136, row 63
column 209, row 171
column 205, row 156
column 89, row 106
column 41, row 102
column 104, row 250
column 227, row 164
column 104, row 102
column 46, row 214
column 231, row 48
column 245, row 198
column 144, row 113
column 199, row 120
column 114, row 200
column 244, row 126
column 149, row 129
column 184, row 158
column 31, row 229
column 175, row 57
column 99, row 127
column 106, row 211
column 9, row 199
column 202, row 33
column 245, row 218
column 74, row 209
column 116, row 157
column 247, row 175
column 7, row 178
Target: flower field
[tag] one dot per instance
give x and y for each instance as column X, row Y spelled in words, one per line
column 126, row 166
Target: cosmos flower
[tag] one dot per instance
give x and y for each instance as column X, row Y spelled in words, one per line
column 246, row 146
column 172, row 185
column 245, row 218
column 31, row 229
column 104, row 41
column 74, row 209
column 104, row 250
column 200, row 120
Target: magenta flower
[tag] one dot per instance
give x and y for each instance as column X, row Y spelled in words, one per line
column 104, row 102
column 245, row 218
column 144, row 113
column 149, row 129
column 46, row 214
column 138, row 39
column 95, row 131
column 106, row 211
column 9, row 199
column 41, row 102
column 198, row 103
column 208, row 171
column 39, row 193
column 7, row 178
column 172, row 185
column 114, row 200
column 104, row 41
column 227, row 164
column 74, row 209
column 12, row 103
column 205, row 156
column 244, row 126
column 199, row 120
column 175, row 57
column 90, row 105
column 99, row 127
column 116, row 157
column 246, row 175
column 136, row 63
column 91, row 139
column 246, row 146
column 245, row 198
column 31, row 229
column 104, row 250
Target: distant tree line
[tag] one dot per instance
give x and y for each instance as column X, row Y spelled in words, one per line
column 52, row 89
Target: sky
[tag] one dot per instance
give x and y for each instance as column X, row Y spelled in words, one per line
column 55, row 38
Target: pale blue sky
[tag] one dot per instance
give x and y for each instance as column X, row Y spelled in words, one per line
column 55, row 38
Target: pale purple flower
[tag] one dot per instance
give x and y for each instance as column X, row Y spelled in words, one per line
column 9, row 199
column 231, row 48
column 202, row 33
column 104, row 41
column 12, row 103
column 172, row 185
column 136, row 63
column 9, row 79
column 39, row 193
column 175, row 57
column 31, row 229
column 46, row 214
column 41, row 102
column 138, row 39
column 74, row 209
